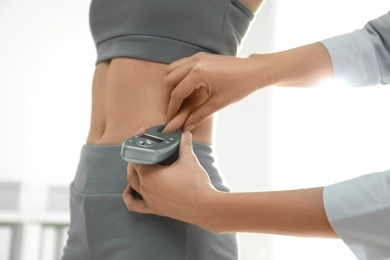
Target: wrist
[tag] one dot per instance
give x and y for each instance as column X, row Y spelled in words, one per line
column 219, row 214
column 209, row 211
column 263, row 70
column 302, row 66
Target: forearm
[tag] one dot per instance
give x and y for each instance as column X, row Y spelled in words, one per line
column 303, row 66
column 295, row 212
column 192, row 198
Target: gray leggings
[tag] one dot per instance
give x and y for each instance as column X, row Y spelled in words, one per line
column 102, row 228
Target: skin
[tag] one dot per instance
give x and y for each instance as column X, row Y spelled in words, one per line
column 122, row 87
column 192, row 198
column 183, row 190
column 227, row 80
column 118, row 95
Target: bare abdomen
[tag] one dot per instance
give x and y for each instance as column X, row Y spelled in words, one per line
column 127, row 94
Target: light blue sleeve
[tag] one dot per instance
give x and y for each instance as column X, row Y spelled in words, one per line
column 362, row 58
column 359, row 212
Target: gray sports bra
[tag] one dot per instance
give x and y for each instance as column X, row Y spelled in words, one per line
column 167, row 30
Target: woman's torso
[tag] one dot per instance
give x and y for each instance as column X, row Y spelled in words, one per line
column 127, row 94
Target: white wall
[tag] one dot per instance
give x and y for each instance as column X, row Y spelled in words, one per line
column 46, row 66
column 243, row 133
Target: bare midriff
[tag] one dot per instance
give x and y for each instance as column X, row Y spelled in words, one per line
column 127, row 94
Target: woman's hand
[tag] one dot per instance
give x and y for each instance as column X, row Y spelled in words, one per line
column 210, row 82
column 179, row 191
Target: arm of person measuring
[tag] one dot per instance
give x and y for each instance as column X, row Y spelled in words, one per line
column 183, row 191
column 227, row 80
column 360, row 58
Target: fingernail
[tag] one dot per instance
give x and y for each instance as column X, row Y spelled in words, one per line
column 189, row 128
column 187, row 135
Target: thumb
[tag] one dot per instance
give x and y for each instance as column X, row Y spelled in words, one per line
column 185, row 145
column 199, row 114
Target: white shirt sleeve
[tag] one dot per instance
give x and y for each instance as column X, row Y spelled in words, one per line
column 359, row 209
column 362, row 58
column 359, row 212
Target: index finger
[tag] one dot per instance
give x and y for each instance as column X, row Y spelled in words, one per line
column 171, row 67
column 134, row 204
column 142, row 169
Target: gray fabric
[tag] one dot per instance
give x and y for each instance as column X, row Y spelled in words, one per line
column 102, row 227
column 167, row 30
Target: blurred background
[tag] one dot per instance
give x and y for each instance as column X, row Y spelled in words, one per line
column 278, row 138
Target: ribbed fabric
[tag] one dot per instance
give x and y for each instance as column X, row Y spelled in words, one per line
column 167, row 30
column 102, row 228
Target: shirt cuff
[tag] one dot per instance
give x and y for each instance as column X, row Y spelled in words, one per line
column 359, row 212
column 354, row 59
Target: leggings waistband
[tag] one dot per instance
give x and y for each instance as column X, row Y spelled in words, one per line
column 101, row 169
